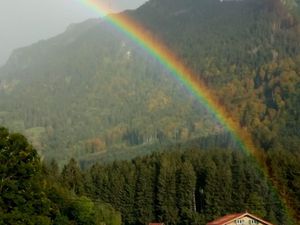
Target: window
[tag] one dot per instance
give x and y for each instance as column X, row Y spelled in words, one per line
column 253, row 222
column 239, row 221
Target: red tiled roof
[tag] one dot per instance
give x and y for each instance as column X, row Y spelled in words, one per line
column 225, row 219
column 228, row 218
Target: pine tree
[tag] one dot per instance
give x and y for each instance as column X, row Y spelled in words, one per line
column 166, row 193
column 185, row 189
column 144, row 212
column 72, row 177
column 127, row 201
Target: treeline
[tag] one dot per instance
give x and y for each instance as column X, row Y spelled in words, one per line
column 30, row 194
column 191, row 187
column 178, row 187
column 222, row 140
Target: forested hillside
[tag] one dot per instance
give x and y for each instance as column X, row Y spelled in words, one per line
column 91, row 92
column 247, row 52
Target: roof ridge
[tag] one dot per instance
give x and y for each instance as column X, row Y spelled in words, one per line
column 231, row 217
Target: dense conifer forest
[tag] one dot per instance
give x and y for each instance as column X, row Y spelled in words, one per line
column 178, row 187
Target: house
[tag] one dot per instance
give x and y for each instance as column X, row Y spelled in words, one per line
column 239, row 219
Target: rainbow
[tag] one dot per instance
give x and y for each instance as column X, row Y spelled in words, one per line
column 184, row 75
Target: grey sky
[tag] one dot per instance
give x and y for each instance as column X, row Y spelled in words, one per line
column 23, row 22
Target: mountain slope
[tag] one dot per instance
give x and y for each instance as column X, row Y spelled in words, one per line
column 92, row 91
column 89, row 90
column 247, row 52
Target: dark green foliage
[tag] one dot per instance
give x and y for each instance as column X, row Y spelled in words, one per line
column 166, row 191
column 185, row 188
column 22, row 199
column 182, row 187
column 285, row 171
column 105, row 214
column 189, row 187
column 32, row 194
column 144, row 197
column 82, row 211
column 72, row 177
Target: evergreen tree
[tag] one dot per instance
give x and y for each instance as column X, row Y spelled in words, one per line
column 72, row 177
column 144, row 194
column 256, row 205
column 185, row 189
column 22, row 200
column 166, row 193
column 127, row 202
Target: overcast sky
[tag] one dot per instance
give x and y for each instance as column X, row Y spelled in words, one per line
column 23, row 22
